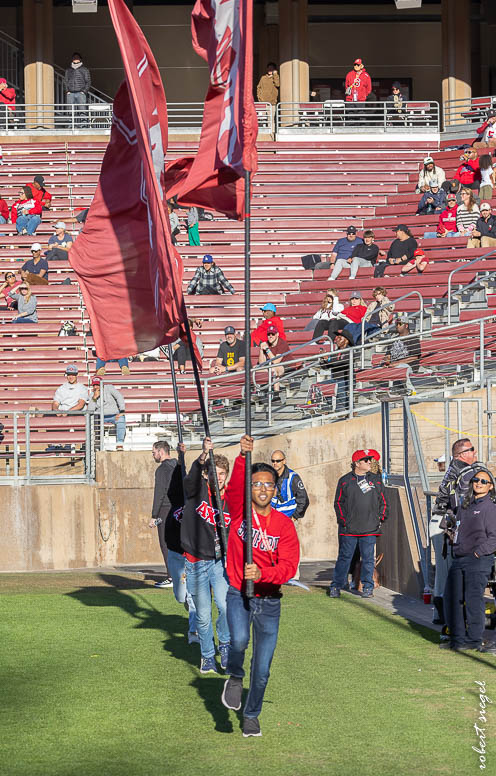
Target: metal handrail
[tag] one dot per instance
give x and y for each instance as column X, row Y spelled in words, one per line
column 383, row 306
column 333, row 115
column 458, row 269
column 453, row 109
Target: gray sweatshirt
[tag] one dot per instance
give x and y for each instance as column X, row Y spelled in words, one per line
column 26, row 307
column 113, row 401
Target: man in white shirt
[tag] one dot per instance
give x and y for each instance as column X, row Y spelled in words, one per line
column 71, row 396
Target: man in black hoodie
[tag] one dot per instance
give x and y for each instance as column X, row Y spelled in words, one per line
column 205, row 555
column 361, row 508
column 162, row 499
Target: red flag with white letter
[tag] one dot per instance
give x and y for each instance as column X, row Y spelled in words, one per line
column 223, row 36
column 128, row 269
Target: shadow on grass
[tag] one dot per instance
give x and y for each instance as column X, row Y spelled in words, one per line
column 173, row 626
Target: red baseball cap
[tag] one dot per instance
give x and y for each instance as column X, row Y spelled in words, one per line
column 358, row 62
column 359, row 454
column 419, row 252
column 271, row 329
column 96, row 380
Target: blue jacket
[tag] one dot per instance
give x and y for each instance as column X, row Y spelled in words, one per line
column 437, row 205
column 291, row 497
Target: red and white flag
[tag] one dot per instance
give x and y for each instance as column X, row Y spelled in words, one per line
column 128, row 269
column 222, row 35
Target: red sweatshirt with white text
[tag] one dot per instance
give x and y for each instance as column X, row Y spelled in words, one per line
column 279, row 562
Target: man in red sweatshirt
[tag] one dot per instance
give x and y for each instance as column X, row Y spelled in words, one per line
column 276, row 554
column 269, row 311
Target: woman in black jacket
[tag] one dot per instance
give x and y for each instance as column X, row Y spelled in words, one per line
column 473, row 535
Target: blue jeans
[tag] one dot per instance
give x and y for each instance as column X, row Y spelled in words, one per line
column 121, row 361
column 3, row 220
column 435, row 234
column 26, row 319
column 78, row 99
column 464, row 606
column 175, row 566
column 29, row 223
column 264, row 614
column 202, row 578
column 120, row 426
column 347, row 545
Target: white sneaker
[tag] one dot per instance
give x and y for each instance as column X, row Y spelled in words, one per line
column 167, row 582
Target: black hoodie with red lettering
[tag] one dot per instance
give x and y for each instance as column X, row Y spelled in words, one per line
column 199, row 524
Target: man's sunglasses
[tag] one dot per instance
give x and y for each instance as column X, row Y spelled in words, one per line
column 368, row 459
column 276, row 460
column 467, row 450
column 481, row 480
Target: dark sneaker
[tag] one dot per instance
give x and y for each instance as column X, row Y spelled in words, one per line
column 334, row 592
column 224, row 654
column 367, row 593
column 487, row 647
column 251, row 727
column 232, row 692
column 446, row 644
column 208, row 665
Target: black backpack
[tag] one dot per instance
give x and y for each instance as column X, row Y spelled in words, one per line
column 310, row 260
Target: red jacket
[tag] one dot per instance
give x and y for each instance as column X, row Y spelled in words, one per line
column 281, row 536
column 468, row 172
column 360, row 84
column 8, row 96
column 4, row 209
column 354, row 312
column 447, row 220
column 491, row 133
column 33, row 208
column 260, row 333
column 40, row 195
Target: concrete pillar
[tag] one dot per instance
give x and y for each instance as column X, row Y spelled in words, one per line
column 38, row 59
column 456, row 44
column 293, row 50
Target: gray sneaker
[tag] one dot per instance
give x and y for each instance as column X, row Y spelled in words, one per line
column 334, row 592
column 251, row 727
column 232, row 692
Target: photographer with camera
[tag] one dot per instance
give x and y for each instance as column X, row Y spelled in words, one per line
column 452, row 491
column 472, row 533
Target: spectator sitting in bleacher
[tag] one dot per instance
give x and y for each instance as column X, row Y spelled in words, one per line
column 7, row 97
column 71, row 395
column 59, row 243
column 453, row 187
column 432, row 201
column 275, row 348
column 487, row 176
column 40, row 194
column 485, row 228
column 350, row 315
column 26, row 212
column 446, row 226
column 404, row 352
column 269, row 312
column 209, row 279
column 123, row 363
column 181, row 351
column 486, row 134
column 340, row 368
column 380, row 319
column 10, row 285
column 467, row 216
column 231, row 354
column 427, row 174
column 35, row 270
column 365, row 254
column 468, row 173
column 400, row 251
column 330, row 310
column 26, row 305
column 4, row 212
column 419, row 262
column 113, row 408
column 342, row 251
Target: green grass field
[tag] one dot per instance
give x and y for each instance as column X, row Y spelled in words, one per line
column 97, row 679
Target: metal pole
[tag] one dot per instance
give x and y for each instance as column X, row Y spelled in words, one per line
column 176, row 404
column 350, row 384
column 16, row 446
column 28, row 445
column 87, row 450
column 249, row 587
column 481, row 364
column 203, row 409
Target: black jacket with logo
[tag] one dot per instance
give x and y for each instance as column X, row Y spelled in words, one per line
column 476, row 531
column 359, row 513
column 199, row 523
column 168, row 501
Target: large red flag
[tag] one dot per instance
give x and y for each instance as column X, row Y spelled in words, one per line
column 223, row 35
column 129, row 271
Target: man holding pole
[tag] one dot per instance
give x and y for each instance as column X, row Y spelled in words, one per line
column 276, row 554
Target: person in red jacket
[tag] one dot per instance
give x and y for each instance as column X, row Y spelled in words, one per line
column 4, row 212
column 269, row 311
column 357, row 84
column 276, row 554
column 447, row 220
column 486, row 134
column 7, row 96
column 468, row 172
column 26, row 212
column 40, row 194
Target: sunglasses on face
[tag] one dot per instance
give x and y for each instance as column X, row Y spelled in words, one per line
column 467, row 450
column 276, row 460
column 481, row 480
column 23, row 288
column 7, row 277
column 367, row 460
column 271, row 335
column 263, row 485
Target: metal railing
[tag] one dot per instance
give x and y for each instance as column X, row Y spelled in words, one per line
column 392, row 304
column 464, row 267
column 366, row 117
column 467, row 111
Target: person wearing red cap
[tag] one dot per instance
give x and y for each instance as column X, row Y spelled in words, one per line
column 419, row 261
column 361, row 508
column 113, row 407
column 7, row 98
column 357, row 84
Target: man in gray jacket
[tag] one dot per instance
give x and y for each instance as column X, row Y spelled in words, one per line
column 113, row 407
column 77, row 82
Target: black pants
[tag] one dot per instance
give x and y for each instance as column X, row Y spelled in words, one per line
column 464, row 606
column 161, row 541
column 182, row 354
column 208, row 291
column 329, row 327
